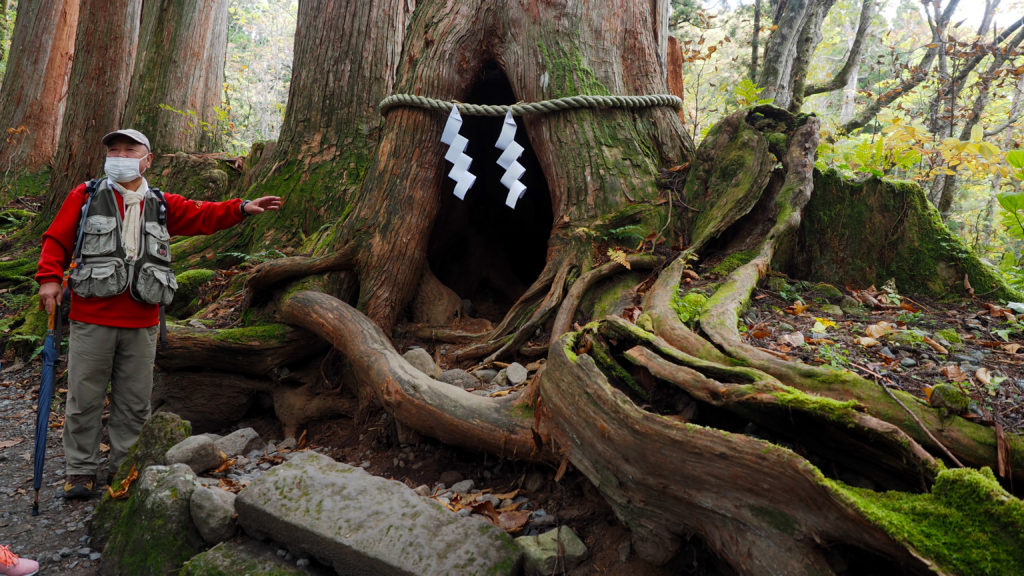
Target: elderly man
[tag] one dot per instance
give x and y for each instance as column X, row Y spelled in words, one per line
column 114, row 234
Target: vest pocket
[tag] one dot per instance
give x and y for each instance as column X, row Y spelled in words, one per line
column 99, row 237
column 100, row 279
column 155, row 284
column 158, row 241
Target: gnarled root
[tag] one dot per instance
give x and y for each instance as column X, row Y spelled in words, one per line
column 501, row 426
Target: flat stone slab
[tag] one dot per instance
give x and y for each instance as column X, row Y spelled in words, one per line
column 361, row 524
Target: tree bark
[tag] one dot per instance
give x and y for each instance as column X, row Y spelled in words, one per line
column 346, row 56
column 108, row 33
column 179, row 74
column 35, row 84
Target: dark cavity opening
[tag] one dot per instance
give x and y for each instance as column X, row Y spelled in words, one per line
column 485, row 251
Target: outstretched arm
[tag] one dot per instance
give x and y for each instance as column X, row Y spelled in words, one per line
column 259, row 205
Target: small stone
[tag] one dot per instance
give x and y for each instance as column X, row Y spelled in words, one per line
column 422, row 361
column 463, row 487
column 516, row 374
column 485, row 375
column 908, row 362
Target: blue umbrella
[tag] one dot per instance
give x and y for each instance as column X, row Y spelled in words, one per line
column 51, row 349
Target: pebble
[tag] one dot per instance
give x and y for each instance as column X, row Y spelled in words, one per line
column 908, row 362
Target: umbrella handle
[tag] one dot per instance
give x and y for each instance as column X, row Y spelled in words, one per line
column 49, row 321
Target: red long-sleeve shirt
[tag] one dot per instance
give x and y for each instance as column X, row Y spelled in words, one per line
column 184, row 218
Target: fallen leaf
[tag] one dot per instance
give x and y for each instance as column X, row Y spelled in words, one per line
column 953, row 373
column 759, row 333
column 908, row 307
column 983, row 376
column 936, row 346
column 867, row 341
column 104, row 447
column 225, row 465
column 11, row 442
column 122, row 491
column 1011, row 348
column 878, row 330
column 794, row 339
column 797, row 308
column 514, row 521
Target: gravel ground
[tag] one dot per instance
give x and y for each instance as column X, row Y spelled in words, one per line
column 57, row 537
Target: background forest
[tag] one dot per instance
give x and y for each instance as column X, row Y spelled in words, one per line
column 961, row 119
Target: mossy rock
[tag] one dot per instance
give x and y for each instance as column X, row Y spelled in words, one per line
column 826, row 292
column 867, row 232
column 245, row 556
column 160, row 432
column 31, row 331
column 949, row 335
column 906, row 337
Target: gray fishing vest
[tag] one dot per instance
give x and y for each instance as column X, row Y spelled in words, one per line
column 100, row 268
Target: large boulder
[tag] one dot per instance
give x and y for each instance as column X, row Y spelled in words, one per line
column 161, row 431
column 361, row 524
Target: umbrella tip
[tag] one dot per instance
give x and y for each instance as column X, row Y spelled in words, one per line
column 35, row 509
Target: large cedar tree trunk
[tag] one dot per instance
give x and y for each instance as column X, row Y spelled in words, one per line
column 34, row 87
column 179, row 74
column 108, row 33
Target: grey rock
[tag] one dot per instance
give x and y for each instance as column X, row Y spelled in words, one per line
column 242, row 441
column 460, row 378
column 288, row 443
column 360, row 524
column 516, row 374
column 553, row 552
column 199, row 453
column 486, row 375
column 908, row 362
column 213, row 513
column 500, row 380
column 421, row 360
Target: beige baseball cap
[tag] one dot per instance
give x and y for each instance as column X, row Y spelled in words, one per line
column 131, row 135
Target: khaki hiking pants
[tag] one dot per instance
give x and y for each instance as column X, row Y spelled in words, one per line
column 98, row 355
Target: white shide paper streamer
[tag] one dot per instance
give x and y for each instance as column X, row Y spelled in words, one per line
column 511, row 151
column 457, row 154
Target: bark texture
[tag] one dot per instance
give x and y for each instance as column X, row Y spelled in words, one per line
column 108, row 33
column 36, row 83
column 179, row 74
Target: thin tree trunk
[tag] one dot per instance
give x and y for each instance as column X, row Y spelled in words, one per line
column 755, row 41
column 781, row 50
column 179, row 74
column 810, row 37
column 849, row 70
column 108, row 33
column 35, row 84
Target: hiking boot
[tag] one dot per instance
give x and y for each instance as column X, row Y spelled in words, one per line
column 11, row 565
column 78, row 486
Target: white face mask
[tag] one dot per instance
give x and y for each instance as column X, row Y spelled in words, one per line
column 120, row 169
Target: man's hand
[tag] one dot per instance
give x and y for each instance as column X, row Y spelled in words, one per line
column 259, row 205
column 50, row 296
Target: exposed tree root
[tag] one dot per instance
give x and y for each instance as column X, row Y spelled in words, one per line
column 501, row 426
column 668, row 479
column 563, row 320
column 255, row 351
column 275, row 272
